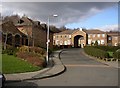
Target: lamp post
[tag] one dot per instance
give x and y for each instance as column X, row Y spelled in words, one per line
column 48, row 40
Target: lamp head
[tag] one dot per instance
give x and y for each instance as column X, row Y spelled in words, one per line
column 55, row 15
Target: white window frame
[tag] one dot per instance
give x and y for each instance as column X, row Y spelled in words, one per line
column 98, row 42
column 89, row 41
column 103, row 35
column 102, row 41
column 93, row 35
column 89, row 35
column 98, row 35
column 65, row 43
column 69, row 36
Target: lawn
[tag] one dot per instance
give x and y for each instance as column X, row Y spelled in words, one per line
column 12, row 64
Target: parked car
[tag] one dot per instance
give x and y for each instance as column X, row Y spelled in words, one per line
column 2, row 80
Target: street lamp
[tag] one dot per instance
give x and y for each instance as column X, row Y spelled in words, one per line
column 48, row 40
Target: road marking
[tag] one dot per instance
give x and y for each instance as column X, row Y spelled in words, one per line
column 77, row 65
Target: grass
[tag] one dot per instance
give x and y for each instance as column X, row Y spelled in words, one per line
column 12, row 64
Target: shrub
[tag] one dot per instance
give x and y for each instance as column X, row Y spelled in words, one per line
column 10, row 50
column 96, row 43
column 116, row 55
column 96, row 52
column 24, row 49
column 32, row 49
column 108, row 48
column 32, row 58
column 37, row 50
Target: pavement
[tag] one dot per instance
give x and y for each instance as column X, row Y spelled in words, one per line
column 55, row 67
column 114, row 64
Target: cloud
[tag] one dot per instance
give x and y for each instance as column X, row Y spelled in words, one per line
column 69, row 12
column 109, row 27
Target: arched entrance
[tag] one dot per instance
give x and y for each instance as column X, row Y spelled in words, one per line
column 24, row 40
column 78, row 41
column 17, row 40
column 9, row 39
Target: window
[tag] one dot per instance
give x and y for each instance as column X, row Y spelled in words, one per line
column 116, row 44
column 98, row 42
column 54, row 37
column 65, row 36
column 61, row 36
column 61, row 42
column 57, row 42
column 103, row 35
column 89, row 41
column 88, row 35
column 109, row 38
column 65, row 43
column 93, row 35
column 69, row 42
column 102, row 42
column 69, row 36
column 98, row 35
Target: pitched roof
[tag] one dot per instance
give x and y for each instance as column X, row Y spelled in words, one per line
column 13, row 18
column 9, row 27
column 94, row 31
column 66, row 32
column 24, row 21
column 113, row 33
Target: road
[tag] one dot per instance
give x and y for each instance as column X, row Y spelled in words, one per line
column 81, row 71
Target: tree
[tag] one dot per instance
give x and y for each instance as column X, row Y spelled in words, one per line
column 96, row 43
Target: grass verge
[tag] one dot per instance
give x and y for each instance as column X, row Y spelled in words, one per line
column 12, row 64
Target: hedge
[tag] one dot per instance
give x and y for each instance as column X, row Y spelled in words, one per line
column 108, row 48
column 116, row 55
column 96, row 52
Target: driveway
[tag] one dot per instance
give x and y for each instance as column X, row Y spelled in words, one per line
column 81, row 71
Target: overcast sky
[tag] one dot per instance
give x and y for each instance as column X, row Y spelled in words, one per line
column 71, row 14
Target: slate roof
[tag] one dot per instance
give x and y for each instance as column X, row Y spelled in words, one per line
column 94, row 31
column 66, row 32
column 9, row 27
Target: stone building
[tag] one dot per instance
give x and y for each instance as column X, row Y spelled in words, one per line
column 96, row 35
column 82, row 37
column 34, row 32
column 11, row 35
column 113, row 38
column 68, row 38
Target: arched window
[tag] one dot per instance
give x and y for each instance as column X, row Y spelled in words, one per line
column 9, row 39
column 17, row 40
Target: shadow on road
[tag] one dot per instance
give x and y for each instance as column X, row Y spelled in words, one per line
column 22, row 84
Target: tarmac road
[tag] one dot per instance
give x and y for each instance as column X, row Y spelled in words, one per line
column 81, row 71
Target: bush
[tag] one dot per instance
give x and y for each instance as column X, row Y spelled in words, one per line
column 96, row 52
column 32, row 58
column 24, row 49
column 10, row 50
column 108, row 48
column 37, row 50
column 116, row 55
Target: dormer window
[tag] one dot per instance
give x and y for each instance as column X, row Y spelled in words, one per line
column 20, row 21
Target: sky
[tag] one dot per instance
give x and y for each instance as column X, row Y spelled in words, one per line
column 90, row 15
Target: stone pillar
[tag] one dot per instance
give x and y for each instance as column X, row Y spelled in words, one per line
column 20, row 41
column 24, row 41
column 13, row 40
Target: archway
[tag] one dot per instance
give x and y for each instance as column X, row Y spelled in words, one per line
column 24, row 40
column 78, row 41
column 17, row 40
column 9, row 39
